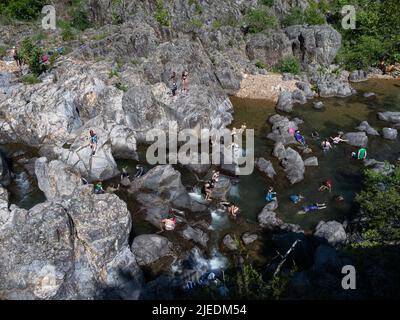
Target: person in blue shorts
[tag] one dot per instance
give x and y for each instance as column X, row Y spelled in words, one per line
column 312, row 207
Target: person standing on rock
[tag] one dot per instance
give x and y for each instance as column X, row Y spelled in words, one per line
column 174, row 86
column 98, row 188
column 93, row 142
column 184, row 79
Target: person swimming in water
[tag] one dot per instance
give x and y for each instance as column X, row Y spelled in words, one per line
column 326, row 145
column 312, row 207
column 338, row 138
column 327, row 185
column 296, row 198
column 360, row 155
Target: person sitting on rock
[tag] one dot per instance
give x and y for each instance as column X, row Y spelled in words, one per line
column 299, row 137
column 124, row 173
column 206, row 190
column 93, row 142
column 215, row 177
column 98, row 188
column 271, row 195
column 140, row 171
column 231, row 208
column 169, row 224
column 312, row 207
column 360, row 155
column 327, row 185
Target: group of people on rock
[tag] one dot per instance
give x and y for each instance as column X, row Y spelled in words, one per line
column 44, row 59
column 184, row 81
column 326, row 145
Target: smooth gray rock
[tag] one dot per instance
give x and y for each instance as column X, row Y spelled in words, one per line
column 196, row 235
column 384, row 168
column 364, row 126
column 56, row 179
column 358, row 76
column 229, row 243
column 331, row 231
column 280, row 129
column 285, row 102
column 356, row 139
column 268, row 220
column 393, row 117
column 312, row 161
column 266, row 167
column 149, row 248
column 389, row 133
column 249, row 238
column 293, row 165
column 318, row 105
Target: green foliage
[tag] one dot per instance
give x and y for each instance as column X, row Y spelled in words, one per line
column 161, row 14
column 288, row 64
column 30, row 79
column 261, row 65
column 228, row 21
column 79, row 19
column 21, row 9
column 376, row 37
column 248, row 284
column 294, row 17
column 99, row 36
column 258, row 20
column 67, row 32
column 198, row 9
column 32, row 55
column 268, row 3
column 380, row 203
column 313, row 15
column 196, row 22
column 3, row 52
column 121, row 87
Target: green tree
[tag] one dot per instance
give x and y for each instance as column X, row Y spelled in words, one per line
column 380, row 204
column 258, row 20
column 313, row 15
column 294, row 17
column 288, row 64
column 32, row 55
column 21, row 9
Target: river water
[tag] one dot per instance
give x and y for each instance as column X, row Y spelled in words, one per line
column 339, row 114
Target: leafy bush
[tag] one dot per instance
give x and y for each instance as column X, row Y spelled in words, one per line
column 380, row 204
column 79, row 19
column 21, row 9
column 30, row 79
column 268, row 3
column 3, row 52
column 261, row 65
column 288, row 64
column 377, row 33
column 196, row 22
column 313, row 15
column 121, row 87
column 258, row 20
column 197, row 6
column 161, row 14
column 32, row 55
column 294, row 17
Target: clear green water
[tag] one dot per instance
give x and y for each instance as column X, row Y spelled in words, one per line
column 339, row 114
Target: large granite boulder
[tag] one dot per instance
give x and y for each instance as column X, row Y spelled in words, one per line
column 331, row 232
column 356, row 139
column 149, row 248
